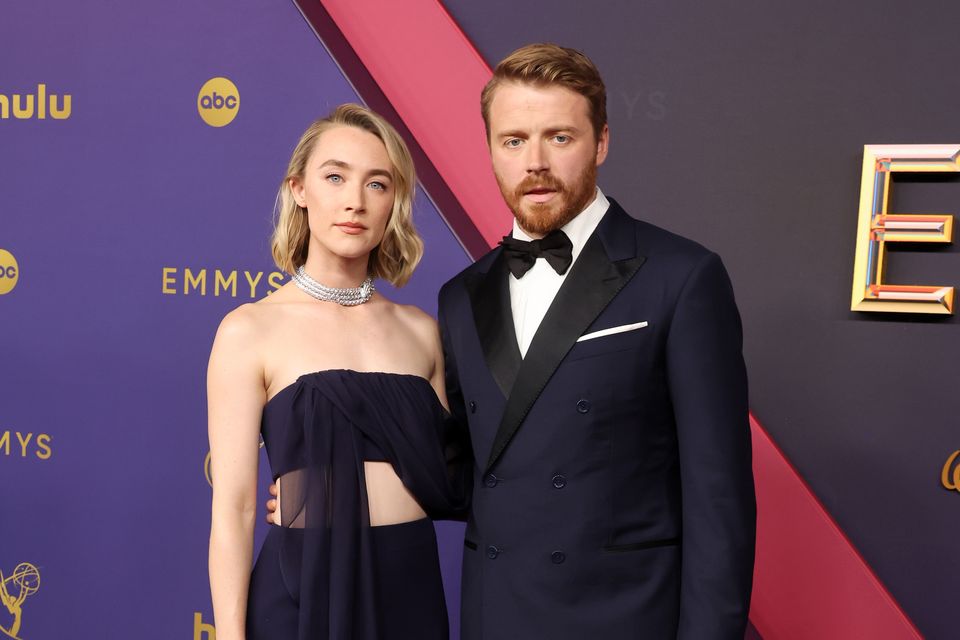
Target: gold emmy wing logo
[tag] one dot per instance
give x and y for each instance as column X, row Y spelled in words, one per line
column 950, row 475
column 22, row 583
column 218, row 102
column 9, row 272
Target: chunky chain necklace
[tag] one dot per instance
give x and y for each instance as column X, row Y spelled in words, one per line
column 348, row 296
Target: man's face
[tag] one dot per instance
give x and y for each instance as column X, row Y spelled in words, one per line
column 545, row 154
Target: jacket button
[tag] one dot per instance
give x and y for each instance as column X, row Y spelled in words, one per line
column 583, row 406
column 473, row 407
column 490, row 480
column 558, row 557
column 559, row 481
column 493, row 552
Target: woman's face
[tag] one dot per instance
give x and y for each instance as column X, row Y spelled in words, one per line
column 348, row 191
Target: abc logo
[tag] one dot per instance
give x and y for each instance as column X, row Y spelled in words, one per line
column 9, row 272
column 218, row 102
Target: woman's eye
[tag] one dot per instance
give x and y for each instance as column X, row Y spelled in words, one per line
column 335, row 178
column 379, row 186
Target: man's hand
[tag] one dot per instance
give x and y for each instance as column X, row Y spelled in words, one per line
column 272, row 515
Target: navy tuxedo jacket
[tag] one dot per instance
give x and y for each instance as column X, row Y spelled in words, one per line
column 612, row 485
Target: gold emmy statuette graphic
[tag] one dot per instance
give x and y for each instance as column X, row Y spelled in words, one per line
column 23, row 582
column 877, row 226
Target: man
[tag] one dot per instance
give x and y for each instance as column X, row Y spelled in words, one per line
column 596, row 360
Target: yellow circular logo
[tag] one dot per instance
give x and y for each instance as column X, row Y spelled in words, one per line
column 9, row 272
column 218, row 102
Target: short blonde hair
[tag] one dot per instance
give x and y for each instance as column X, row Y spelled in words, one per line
column 397, row 255
column 547, row 64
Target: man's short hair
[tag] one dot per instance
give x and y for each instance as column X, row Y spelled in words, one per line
column 545, row 64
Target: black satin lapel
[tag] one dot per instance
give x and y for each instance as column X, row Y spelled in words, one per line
column 490, row 299
column 592, row 283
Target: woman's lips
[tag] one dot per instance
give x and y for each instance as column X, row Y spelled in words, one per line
column 351, row 228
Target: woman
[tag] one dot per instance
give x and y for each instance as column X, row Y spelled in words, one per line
column 346, row 388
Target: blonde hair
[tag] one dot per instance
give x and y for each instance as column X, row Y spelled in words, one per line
column 547, row 64
column 397, row 255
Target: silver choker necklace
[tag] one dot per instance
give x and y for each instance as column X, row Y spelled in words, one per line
column 347, row 296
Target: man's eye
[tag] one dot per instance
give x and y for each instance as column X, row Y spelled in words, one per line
column 562, row 139
column 513, row 142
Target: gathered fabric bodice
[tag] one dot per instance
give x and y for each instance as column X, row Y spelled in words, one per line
column 317, row 433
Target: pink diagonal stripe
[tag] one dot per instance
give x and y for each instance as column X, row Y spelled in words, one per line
column 810, row 583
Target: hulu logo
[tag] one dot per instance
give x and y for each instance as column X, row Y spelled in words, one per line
column 201, row 629
column 39, row 105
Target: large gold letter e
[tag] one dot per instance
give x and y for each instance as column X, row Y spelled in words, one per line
column 876, row 227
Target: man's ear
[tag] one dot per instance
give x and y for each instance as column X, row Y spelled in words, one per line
column 603, row 145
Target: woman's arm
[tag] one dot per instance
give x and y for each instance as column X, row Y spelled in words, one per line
column 437, row 379
column 235, row 399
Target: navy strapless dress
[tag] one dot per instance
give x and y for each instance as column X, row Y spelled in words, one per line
column 326, row 573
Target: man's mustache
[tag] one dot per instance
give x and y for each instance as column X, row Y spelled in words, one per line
column 539, row 181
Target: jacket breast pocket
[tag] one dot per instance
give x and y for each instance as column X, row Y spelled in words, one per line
column 600, row 341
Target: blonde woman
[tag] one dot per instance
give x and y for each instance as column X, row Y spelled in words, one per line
column 346, row 388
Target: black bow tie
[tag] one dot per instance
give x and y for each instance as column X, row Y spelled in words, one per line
column 555, row 248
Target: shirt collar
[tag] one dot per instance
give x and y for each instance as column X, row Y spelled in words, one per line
column 581, row 227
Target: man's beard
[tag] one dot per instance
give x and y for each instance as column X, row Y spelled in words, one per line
column 569, row 200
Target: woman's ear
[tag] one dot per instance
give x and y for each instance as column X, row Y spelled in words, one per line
column 297, row 189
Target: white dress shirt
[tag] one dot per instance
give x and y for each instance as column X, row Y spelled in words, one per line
column 532, row 295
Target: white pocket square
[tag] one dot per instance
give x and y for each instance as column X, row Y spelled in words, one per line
column 612, row 330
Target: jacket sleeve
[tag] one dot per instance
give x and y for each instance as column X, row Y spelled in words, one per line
column 708, row 389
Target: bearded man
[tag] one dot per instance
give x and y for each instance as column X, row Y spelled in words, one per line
column 596, row 361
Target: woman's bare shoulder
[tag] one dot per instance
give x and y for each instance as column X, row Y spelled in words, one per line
column 286, row 294
column 419, row 323
column 418, row 319
column 247, row 324
column 253, row 318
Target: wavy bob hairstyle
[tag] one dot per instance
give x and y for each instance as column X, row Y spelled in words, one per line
column 395, row 258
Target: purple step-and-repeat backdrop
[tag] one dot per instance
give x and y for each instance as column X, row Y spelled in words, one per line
column 132, row 226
